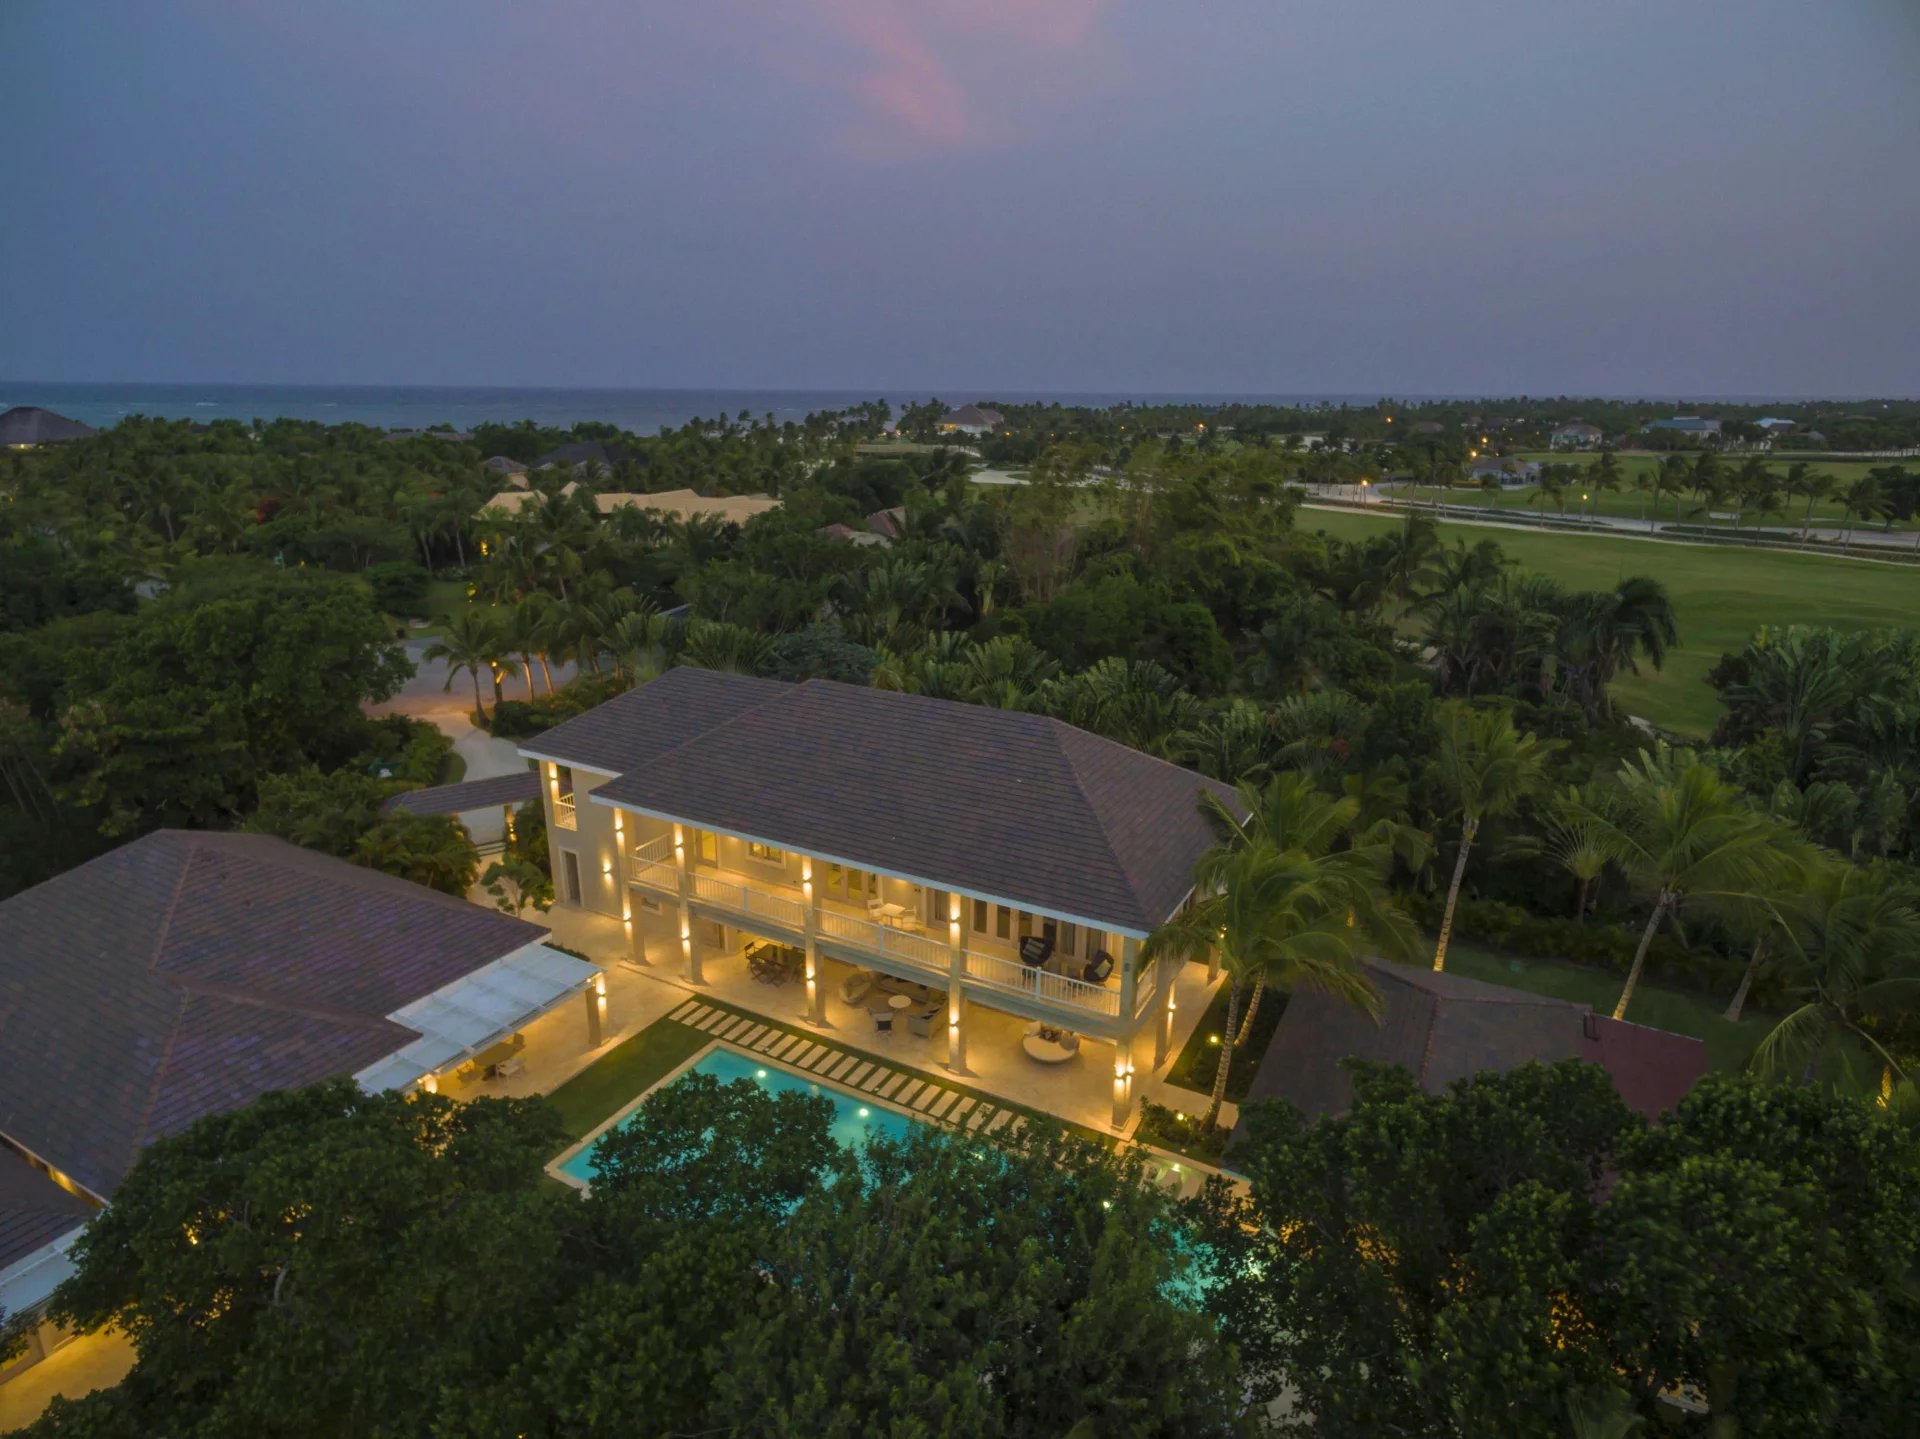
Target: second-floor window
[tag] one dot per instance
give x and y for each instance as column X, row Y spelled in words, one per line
column 766, row 852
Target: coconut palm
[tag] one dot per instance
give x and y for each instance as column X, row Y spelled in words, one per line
column 1681, row 832
column 1851, row 957
column 1488, row 767
column 471, row 642
column 1285, row 900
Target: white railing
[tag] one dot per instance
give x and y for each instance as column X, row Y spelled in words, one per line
column 727, row 893
column 563, row 812
column 651, row 864
column 778, row 908
column 885, row 939
column 1018, row 978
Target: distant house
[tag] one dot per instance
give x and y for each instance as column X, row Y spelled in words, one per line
column 1428, row 427
column 1510, row 474
column 851, row 535
column 186, row 974
column 1692, row 426
column 1576, row 437
column 1441, row 1027
column 514, row 501
column 686, row 505
column 513, row 469
column 971, row 420
column 584, row 452
column 25, row 426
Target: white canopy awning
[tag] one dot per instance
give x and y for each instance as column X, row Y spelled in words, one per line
column 480, row 1009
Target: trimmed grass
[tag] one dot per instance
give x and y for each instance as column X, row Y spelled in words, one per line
column 1720, row 597
column 608, row 1085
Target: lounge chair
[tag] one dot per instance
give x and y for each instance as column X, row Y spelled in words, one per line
column 1098, row 968
column 857, row 986
column 882, row 1020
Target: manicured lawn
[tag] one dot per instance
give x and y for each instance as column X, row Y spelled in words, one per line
column 605, row 1087
column 1721, row 596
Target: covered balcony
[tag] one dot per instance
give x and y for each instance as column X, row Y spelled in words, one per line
column 890, row 930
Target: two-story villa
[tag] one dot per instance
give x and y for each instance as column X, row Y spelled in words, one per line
column 938, row 855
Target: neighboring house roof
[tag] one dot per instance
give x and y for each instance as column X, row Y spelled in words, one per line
column 1689, row 424
column 973, row 417
column 514, row 501
column 31, row 425
column 1443, row 1027
column 504, row 465
column 500, row 789
column 1427, row 427
column 1578, row 430
column 188, row 973
column 686, row 504
column 889, row 524
column 34, row 1211
column 583, row 452
column 851, row 535
column 1018, row 807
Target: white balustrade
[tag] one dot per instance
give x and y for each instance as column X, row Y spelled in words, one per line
column 652, row 864
column 1019, row 978
column 563, row 817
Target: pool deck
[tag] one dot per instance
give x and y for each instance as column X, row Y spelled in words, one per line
column 1079, row 1091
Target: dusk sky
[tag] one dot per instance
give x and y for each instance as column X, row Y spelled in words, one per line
column 1235, row 196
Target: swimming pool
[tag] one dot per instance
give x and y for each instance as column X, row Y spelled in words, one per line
column 854, row 1118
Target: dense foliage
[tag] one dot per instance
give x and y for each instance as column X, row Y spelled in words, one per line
column 330, row 1262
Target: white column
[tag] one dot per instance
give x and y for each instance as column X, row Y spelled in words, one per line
column 816, row 1010
column 1164, row 972
column 596, row 1008
column 956, row 982
column 1122, row 1080
column 683, row 882
column 1126, row 954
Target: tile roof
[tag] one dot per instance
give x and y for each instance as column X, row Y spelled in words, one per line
column 31, row 425
column 637, row 727
column 499, row 789
column 187, row 973
column 33, row 1209
column 1444, row 1027
column 1013, row 806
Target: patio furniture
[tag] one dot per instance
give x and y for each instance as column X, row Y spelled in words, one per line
column 1036, row 950
column 1048, row 1045
column 775, row 963
column 857, row 986
column 1098, row 968
column 899, row 1001
column 888, row 913
column 508, row 1068
column 882, row 1019
column 920, row 1022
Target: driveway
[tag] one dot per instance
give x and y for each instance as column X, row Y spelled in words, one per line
column 429, row 696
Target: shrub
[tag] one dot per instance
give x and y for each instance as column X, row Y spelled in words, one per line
column 515, row 719
column 1180, row 1132
column 399, row 586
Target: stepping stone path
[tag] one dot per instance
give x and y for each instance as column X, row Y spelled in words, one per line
column 944, row 1106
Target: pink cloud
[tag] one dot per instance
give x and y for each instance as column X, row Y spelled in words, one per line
column 939, row 76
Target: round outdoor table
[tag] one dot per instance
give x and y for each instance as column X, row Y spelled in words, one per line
column 898, row 1001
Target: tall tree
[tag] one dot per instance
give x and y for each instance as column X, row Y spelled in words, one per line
column 1488, row 768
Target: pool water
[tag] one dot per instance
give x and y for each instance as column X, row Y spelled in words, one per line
column 854, row 1117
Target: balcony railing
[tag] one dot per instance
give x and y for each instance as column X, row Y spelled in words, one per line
column 1014, row 977
column 563, row 812
column 651, row 865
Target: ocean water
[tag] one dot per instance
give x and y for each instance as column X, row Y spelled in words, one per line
column 641, row 412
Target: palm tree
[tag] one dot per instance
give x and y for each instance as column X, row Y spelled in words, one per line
column 471, row 643
column 1607, row 629
column 1862, row 501
column 1488, row 767
column 1284, row 903
column 1855, row 935
column 1575, row 844
column 1682, row 832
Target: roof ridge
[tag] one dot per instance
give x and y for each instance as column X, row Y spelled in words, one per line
column 165, row 927
column 1058, row 729
column 135, row 1133
column 333, row 1014
column 791, row 688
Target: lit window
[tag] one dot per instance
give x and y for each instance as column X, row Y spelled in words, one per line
column 708, row 847
column 766, row 852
